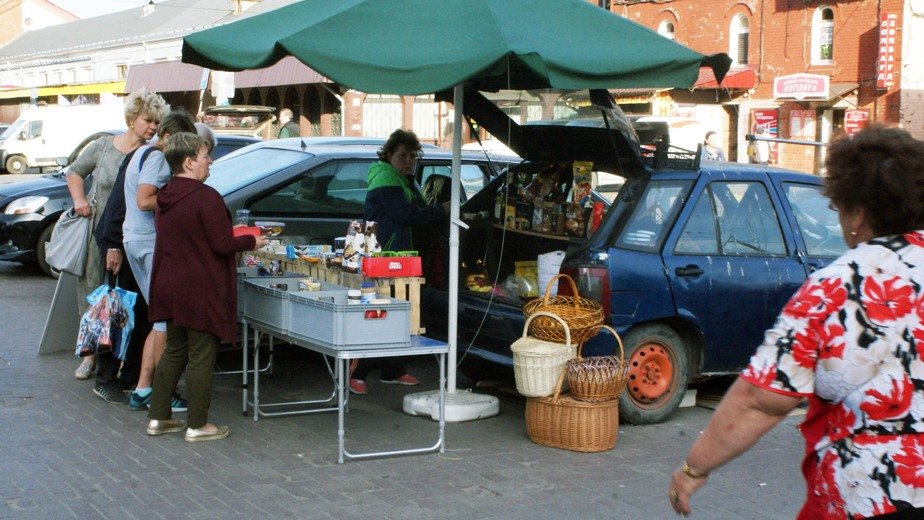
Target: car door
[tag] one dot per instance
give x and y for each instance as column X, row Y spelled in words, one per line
column 731, row 267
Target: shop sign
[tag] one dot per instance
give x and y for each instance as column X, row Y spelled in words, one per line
column 855, row 120
column 801, row 86
column 885, row 68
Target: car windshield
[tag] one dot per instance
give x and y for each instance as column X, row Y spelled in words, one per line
column 244, row 167
column 12, row 129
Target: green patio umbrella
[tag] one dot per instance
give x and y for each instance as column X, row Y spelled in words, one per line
column 425, row 46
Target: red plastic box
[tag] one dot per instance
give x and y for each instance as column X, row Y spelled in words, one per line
column 392, row 267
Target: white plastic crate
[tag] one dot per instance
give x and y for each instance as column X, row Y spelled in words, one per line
column 327, row 319
column 269, row 306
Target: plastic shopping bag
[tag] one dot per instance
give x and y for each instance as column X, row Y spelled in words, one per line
column 108, row 322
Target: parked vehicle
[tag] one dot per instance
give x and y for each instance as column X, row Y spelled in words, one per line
column 249, row 120
column 30, row 209
column 691, row 263
column 41, row 136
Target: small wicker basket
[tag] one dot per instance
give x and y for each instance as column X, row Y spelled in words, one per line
column 537, row 364
column 566, row 423
column 598, row 378
column 583, row 316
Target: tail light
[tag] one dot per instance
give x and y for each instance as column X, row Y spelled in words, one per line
column 592, row 283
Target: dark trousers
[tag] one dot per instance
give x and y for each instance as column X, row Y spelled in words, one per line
column 192, row 350
column 392, row 368
column 107, row 366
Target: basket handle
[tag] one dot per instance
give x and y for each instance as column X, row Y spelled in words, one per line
column 548, row 288
column 622, row 353
column 554, row 317
column 561, row 379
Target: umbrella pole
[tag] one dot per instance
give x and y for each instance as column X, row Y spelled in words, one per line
column 452, row 326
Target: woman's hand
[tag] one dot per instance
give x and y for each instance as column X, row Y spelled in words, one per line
column 681, row 489
column 83, row 208
column 113, row 260
column 261, row 241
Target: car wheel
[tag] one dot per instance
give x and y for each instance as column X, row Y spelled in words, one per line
column 40, row 245
column 16, row 164
column 658, row 374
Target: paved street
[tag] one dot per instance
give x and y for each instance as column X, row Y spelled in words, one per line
column 64, row 453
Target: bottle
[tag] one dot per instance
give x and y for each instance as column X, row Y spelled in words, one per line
column 367, row 292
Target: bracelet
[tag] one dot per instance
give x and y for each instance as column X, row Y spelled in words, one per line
column 688, row 471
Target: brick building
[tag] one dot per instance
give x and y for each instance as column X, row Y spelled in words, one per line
column 804, row 70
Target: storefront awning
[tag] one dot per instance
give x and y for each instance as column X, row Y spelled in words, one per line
column 169, row 76
column 65, row 90
column 738, row 78
column 839, row 90
column 287, row 71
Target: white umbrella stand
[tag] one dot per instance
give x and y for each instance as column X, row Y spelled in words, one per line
column 460, row 406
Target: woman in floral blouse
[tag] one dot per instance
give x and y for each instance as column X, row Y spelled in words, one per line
column 851, row 341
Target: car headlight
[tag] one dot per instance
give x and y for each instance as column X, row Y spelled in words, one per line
column 25, row 205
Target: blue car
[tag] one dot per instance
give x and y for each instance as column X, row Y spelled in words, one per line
column 691, row 263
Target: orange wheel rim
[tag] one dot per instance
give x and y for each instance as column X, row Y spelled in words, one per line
column 651, row 371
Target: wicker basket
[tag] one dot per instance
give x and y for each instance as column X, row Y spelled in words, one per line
column 566, row 423
column 582, row 315
column 537, row 364
column 598, row 378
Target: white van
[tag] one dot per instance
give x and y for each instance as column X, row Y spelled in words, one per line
column 42, row 135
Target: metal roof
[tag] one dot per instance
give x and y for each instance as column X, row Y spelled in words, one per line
column 171, row 19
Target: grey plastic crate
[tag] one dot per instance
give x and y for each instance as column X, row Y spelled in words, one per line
column 269, row 306
column 327, row 319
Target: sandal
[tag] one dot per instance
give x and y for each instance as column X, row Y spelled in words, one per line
column 85, row 370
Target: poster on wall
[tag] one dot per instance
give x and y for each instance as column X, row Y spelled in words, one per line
column 765, row 122
column 802, row 124
column 855, row 120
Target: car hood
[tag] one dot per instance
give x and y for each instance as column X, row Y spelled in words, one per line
column 609, row 150
column 42, row 186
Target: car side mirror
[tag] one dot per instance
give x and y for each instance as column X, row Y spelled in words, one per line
column 61, row 161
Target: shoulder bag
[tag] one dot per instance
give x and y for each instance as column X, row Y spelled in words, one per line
column 67, row 249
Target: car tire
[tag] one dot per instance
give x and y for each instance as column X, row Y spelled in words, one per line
column 658, row 374
column 40, row 244
column 16, row 164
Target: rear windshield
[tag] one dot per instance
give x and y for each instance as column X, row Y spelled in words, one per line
column 244, row 167
column 234, row 121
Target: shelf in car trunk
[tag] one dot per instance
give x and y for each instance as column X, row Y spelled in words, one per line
column 573, row 240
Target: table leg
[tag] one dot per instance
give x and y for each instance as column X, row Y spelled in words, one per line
column 442, row 403
column 244, row 368
column 341, row 368
column 256, row 375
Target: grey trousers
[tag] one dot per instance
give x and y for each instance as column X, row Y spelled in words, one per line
column 195, row 351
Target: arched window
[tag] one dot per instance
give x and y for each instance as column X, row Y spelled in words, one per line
column 738, row 40
column 823, row 35
column 666, row 29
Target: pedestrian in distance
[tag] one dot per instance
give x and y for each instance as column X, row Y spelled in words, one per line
column 711, row 149
column 102, row 159
column 849, row 341
column 147, row 172
column 758, row 149
column 193, row 286
column 287, row 127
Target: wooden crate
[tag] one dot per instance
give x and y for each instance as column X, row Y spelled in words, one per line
column 401, row 288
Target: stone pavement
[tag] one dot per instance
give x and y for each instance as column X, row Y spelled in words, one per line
column 64, row 453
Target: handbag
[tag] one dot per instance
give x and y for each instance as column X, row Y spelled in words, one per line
column 70, row 238
column 107, row 324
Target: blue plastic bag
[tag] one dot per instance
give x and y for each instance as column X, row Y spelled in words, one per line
column 107, row 325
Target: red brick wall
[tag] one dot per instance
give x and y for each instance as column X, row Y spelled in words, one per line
column 10, row 21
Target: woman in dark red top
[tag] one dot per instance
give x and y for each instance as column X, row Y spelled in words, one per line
column 193, row 286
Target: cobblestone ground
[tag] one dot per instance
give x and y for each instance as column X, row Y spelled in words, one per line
column 64, row 453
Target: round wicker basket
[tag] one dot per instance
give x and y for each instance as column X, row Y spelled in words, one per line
column 583, row 316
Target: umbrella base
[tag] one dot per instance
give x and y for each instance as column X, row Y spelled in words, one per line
column 460, row 406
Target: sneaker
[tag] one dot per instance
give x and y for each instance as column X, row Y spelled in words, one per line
column 110, row 396
column 137, row 403
column 406, row 380
column 178, row 404
column 84, row 370
column 201, row 434
column 358, row 387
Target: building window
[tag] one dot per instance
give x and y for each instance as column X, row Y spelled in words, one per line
column 738, row 40
column 122, row 71
column 605, row 4
column 823, row 35
column 666, row 29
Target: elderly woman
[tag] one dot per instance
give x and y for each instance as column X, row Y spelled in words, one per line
column 102, row 158
column 193, row 286
column 850, row 342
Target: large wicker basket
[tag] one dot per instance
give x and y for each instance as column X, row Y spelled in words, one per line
column 537, row 364
column 563, row 422
column 598, row 378
column 583, row 316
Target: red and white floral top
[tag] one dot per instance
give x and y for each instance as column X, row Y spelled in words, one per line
column 851, row 340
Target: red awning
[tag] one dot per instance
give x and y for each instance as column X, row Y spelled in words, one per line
column 169, row 76
column 287, row 71
column 739, row 78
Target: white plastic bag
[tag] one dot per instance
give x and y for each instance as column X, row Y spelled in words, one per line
column 548, row 265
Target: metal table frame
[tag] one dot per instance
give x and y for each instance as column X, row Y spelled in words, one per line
column 419, row 346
